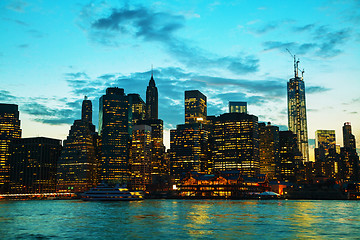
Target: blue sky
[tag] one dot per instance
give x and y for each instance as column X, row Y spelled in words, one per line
column 52, row 53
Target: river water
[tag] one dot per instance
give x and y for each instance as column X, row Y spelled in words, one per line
column 180, row 219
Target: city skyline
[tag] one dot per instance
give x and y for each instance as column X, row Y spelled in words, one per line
column 84, row 48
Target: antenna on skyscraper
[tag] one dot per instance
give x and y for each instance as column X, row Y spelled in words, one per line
column 152, row 70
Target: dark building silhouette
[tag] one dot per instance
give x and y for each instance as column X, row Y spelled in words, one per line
column 239, row 107
column 235, row 143
column 195, row 107
column 9, row 130
column 151, row 100
column 114, row 128
column 297, row 111
column 268, row 149
column 349, row 159
column 33, row 164
column 79, row 160
column 290, row 163
column 188, row 150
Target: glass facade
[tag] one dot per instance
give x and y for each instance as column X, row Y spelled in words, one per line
column 9, row 130
column 268, row 149
column 195, row 107
column 114, row 119
column 297, row 114
column 235, row 143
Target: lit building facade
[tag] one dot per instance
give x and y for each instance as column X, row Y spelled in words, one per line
column 237, row 107
column 151, row 100
column 114, row 118
column 195, row 107
column 140, row 157
column 349, row 159
column 297, row 120
column 290, row 158
column 77, row 169
column 235, row 143
column 138, row 108
column 188, row 150
column 33, row 164
column 158, row 166
column 9, row 130
column 268, row 149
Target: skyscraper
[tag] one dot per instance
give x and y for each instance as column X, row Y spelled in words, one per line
column 140, row 157
column 239, row 107
column 9, row 130
column 325, row 144
column 151, row 100
column 78, row 163
column 195, row 107
column 268, row 149
column 235, row 143
column 33, row 164
column 297, row 111
column 348, row 137
column 115, row 135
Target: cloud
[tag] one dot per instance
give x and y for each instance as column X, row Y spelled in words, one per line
column 17, row 5
column 316, row 89
column 23, row 46
column 146, row 24
column 6, row 96
column 322, row 41
column 16, row 21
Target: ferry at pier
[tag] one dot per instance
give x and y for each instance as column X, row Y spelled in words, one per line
column 103, row 192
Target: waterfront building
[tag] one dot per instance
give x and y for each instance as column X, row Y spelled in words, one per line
column 151, row 100
column 114, row 119
column 297, row 120
column 9, row 130
column 33, row 164
column 268, row 149
column 195, row 107
column 140, row 157
column 349, row 159
column 188, row 150
column 77, row 169
column 239, row 107
column 290, row 162
column 158, row 165
column 325, row 144
column 235, row 143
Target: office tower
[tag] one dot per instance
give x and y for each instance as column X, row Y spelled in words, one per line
column 78, row 162
column 188, row 150
column 268, row 149
column 33, row 164
column 157, row 146
column 151, row 100
column 9, row 130
column 297, row 111
column 195, row 107
column 239, row 107
column 349, row 159
column 326, row 157
column 235, row 143
column 86, row 110
column 348, row 137
column 290, row 158
column 140, row 157
column 138, row 108
column 114, row 118
column 325, row 144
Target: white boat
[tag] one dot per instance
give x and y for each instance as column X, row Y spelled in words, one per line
column 103, row 192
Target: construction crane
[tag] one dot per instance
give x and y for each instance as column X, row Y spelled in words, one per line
column 296, row 64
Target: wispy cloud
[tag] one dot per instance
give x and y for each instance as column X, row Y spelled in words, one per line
column 148, row 25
